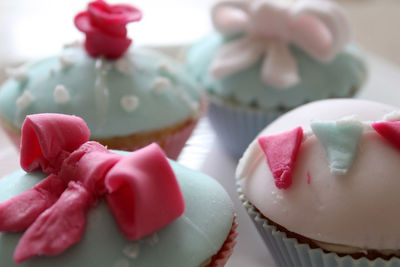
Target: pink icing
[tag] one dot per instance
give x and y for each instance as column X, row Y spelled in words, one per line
column 390, row 130
column 281, row 151
column 105, row 28
column 136, row 187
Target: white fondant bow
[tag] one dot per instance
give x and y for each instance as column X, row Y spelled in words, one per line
column 319, row 27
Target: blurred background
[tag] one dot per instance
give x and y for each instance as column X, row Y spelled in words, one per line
column 31, row 29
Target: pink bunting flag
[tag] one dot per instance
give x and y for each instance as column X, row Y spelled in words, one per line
column 390, row 130
column 281, row 151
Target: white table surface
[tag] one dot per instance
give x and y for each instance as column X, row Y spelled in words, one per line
column 205, row 154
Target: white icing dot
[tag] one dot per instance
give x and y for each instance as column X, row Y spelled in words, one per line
column 75, row 43
column 129, row 103
column 24, row 100
column 132, row 250
column 65, row 61
column 152, row 239
column 160, row 83
column 98, row 64
column 392, row 116
column 20, row 74
column 124, row 65
column 61, row 94
column 121, row 263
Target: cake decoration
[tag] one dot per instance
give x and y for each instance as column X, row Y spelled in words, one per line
column 268, row 28
column 129, row 103
column 124, row 65
column 390, row 131
column 19, row 74
column 24, row 100
column 340, row 141
column 65, row 61
column 61, row 94
column 81, row 172
column 281, row 151
column 105, row 28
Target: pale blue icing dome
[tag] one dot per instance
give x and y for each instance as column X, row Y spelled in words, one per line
column 187, row 242
column 338, row 78
column 143, row 91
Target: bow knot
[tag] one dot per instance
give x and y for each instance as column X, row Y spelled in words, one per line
column 136, row 187
column 268, row 27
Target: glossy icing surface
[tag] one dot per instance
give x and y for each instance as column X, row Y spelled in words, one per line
column 356, row 209
column 142, row 91
column 188, row 241
column 318, row 80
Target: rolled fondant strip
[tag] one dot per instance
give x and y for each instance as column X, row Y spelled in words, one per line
column 281, row 151
column 340, row 141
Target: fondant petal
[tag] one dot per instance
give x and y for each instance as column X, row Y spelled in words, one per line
column 279, row 68
column 17, row 213
column 236, row 56
column 281, row 151
column 340, row 141
column 47, row 139
column 321, row 28
column 143, row 193
column 58, row 228
column 230, row 17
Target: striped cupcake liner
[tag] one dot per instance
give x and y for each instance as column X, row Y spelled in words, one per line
column 289, row 252
column 236, row 126
column 222, row 257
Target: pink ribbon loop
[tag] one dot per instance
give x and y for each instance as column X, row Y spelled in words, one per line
column 266, row 30
column 141, row 189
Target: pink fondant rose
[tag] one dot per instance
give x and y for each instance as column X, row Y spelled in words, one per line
column 105, row 28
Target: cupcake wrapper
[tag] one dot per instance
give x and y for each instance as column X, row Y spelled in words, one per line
column 236, row 127
column 221, row 258
column 288, row 252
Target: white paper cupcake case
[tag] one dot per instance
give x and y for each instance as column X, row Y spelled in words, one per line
column 288, row 252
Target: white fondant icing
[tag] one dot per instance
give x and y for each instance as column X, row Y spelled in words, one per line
column 132, row 250
column 129, row 103
column 19, row 74
column 61, row 94
column 358, row 209
column 124, row 65
column 392, row 116
column 65, row 61
column 24, row 100
column 160, row 84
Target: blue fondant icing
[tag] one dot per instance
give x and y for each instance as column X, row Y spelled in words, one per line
column 188, row 241
column 96, row 91
column 340, row 141
column 338, row 78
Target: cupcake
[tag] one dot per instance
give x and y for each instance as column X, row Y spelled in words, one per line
column 321, row 185
column 79, row 204
column 129, row 98
column 269, row 56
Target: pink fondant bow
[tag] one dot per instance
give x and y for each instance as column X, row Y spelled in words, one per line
column 140, row 188
column 268, row 27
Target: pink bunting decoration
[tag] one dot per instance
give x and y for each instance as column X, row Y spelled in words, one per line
column 390, row 130
column 281, row 151
column 136, row 187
